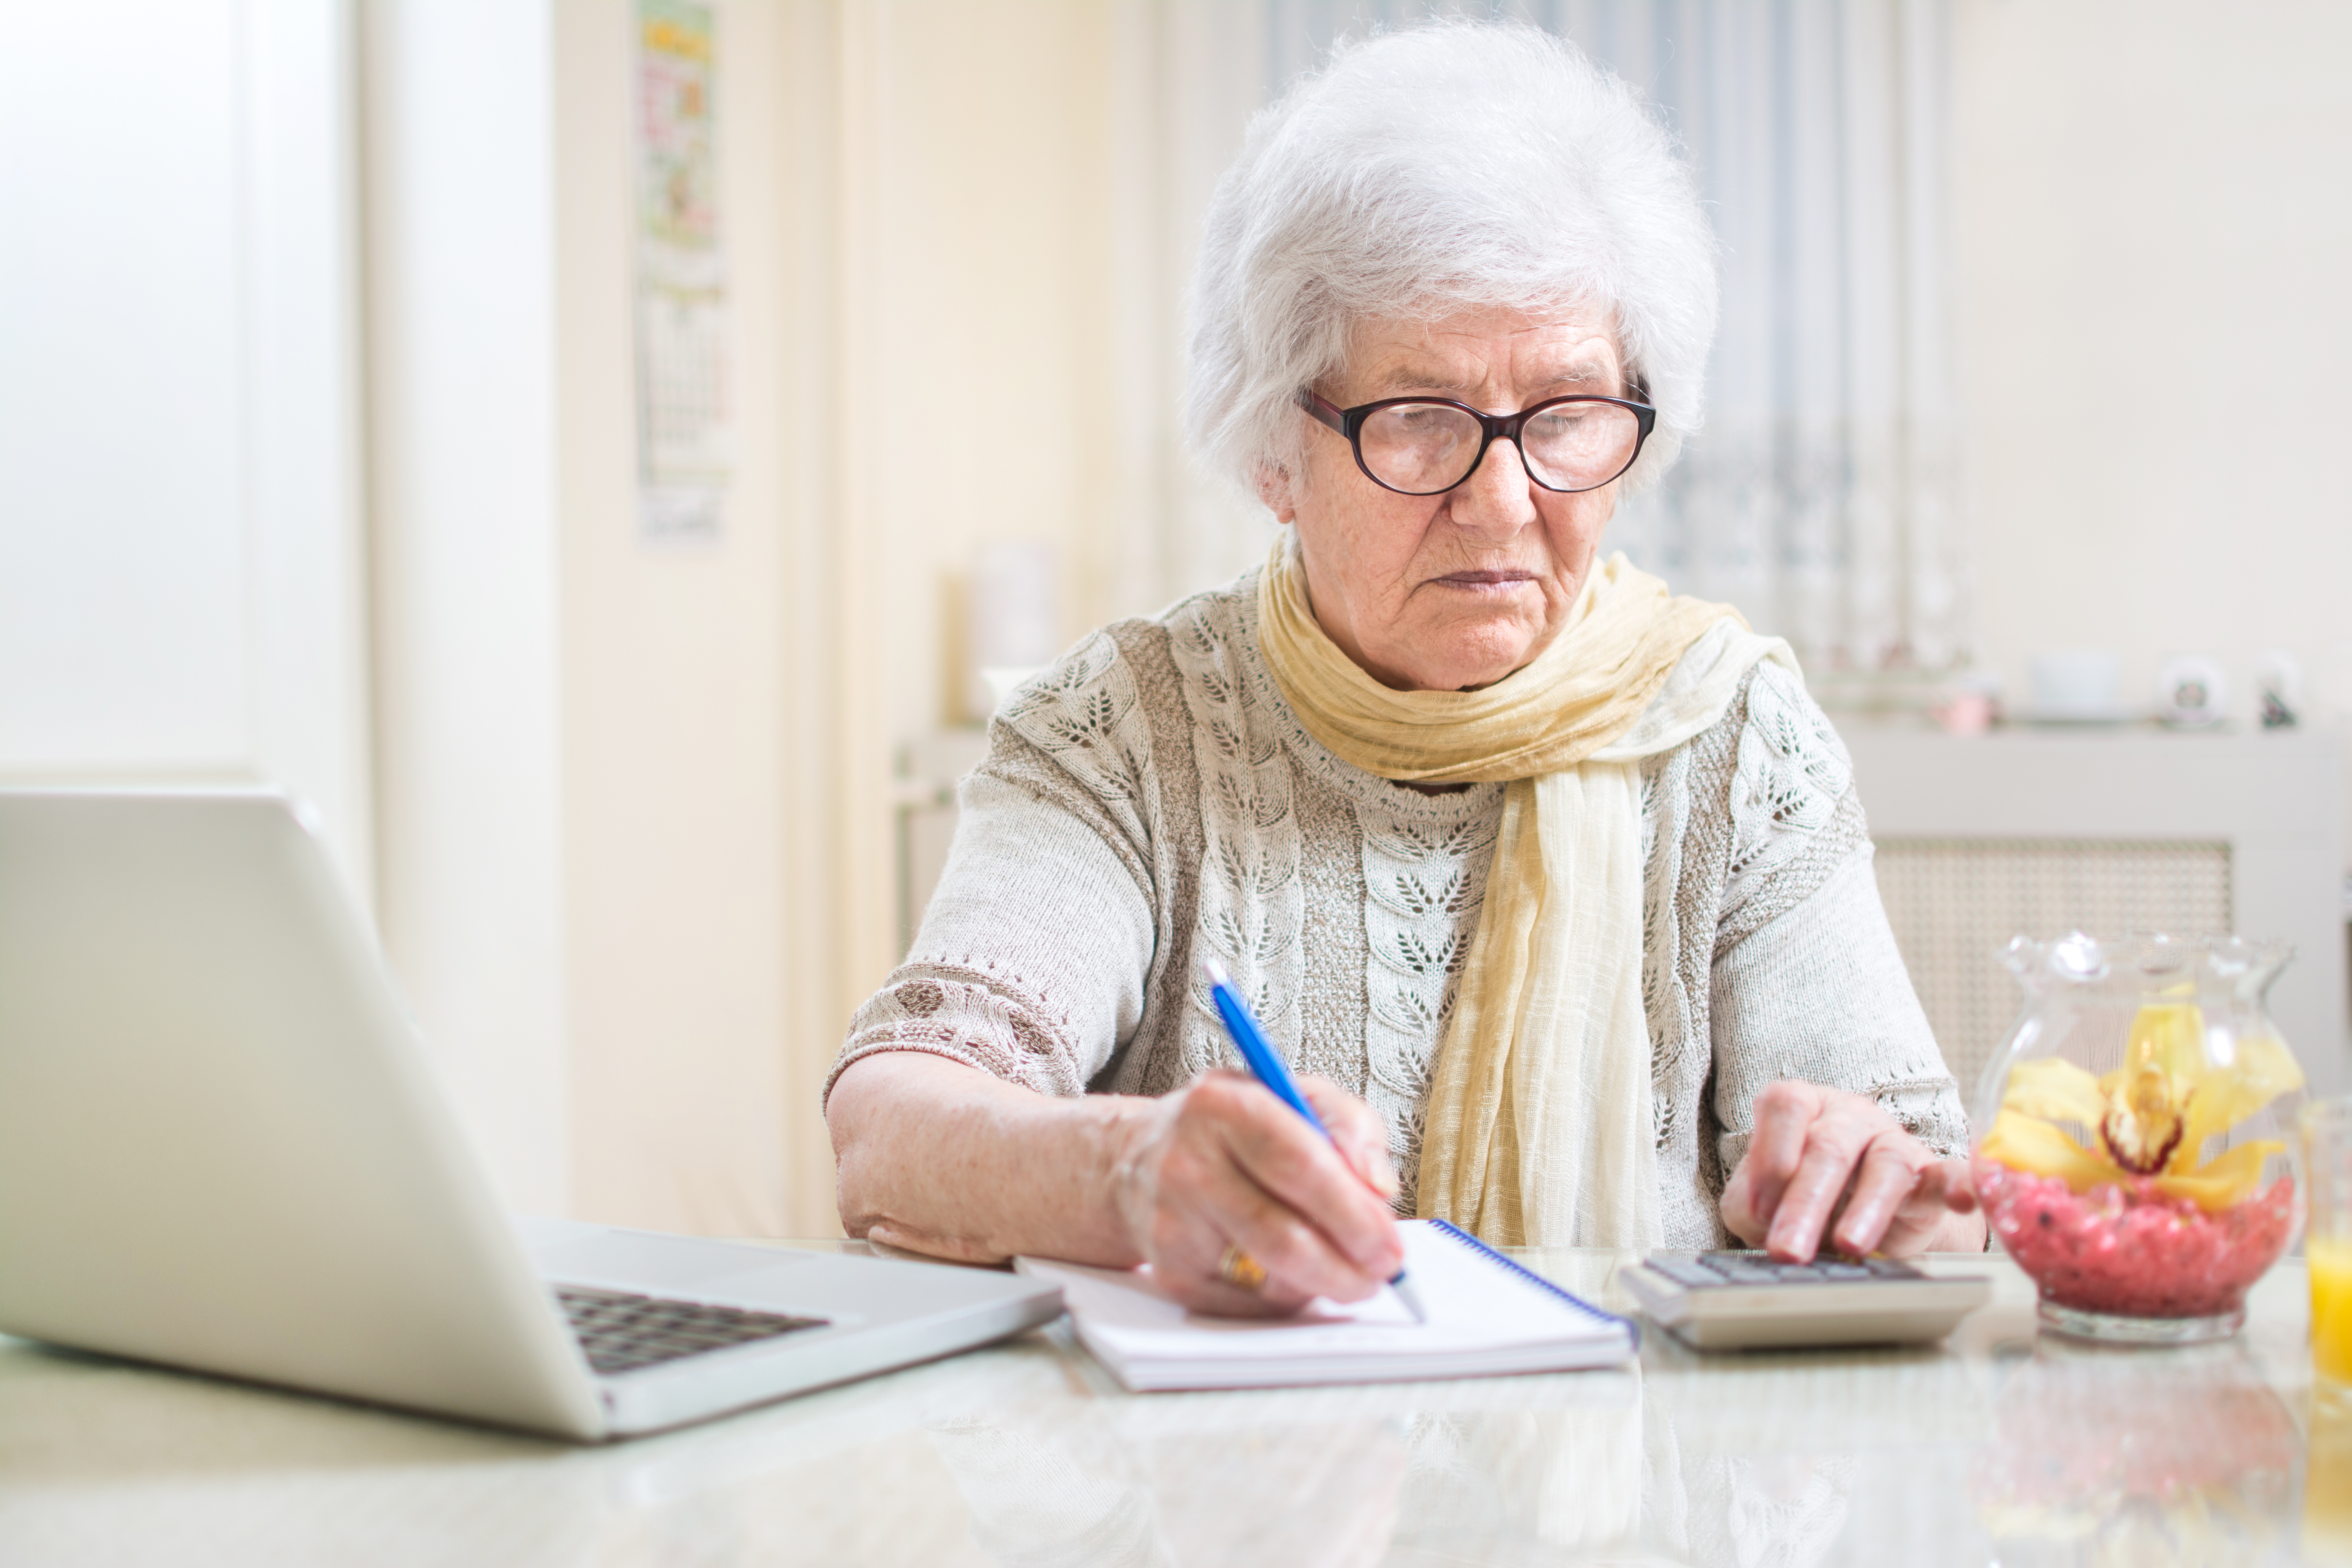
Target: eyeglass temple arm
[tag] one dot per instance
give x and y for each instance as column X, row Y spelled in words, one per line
column 1322, row 411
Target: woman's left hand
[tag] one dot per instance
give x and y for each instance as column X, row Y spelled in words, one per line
column 1819, row 1155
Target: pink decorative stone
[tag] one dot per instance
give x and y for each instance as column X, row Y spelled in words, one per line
column 2131, row 1250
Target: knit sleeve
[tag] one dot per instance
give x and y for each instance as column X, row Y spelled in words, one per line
column 1037, row 943
column 1795, row 817
column 1807, row 981
column 1032, row 953
column 1820, row 994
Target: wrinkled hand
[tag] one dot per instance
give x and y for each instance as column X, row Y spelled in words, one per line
column 1223, row 1162
column 1820, row 1154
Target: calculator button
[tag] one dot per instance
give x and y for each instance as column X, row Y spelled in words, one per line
column 1844, row 1271
column 1687, row 1272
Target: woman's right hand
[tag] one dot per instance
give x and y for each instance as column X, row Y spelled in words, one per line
column 1224, row 1162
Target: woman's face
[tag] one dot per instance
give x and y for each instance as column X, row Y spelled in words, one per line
column 1446, row 592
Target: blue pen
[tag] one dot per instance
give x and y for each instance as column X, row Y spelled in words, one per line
column 1272, row 1071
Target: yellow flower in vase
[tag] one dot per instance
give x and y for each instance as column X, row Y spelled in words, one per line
column 2149, row 1119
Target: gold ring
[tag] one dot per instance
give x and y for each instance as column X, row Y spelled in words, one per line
column 1239, row 1270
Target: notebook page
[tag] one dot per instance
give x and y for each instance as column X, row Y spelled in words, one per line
column 1473, row 1304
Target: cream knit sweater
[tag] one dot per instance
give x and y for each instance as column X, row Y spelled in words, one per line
column 1152, row 798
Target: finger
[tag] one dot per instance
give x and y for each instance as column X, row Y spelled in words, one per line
column 1204, row 1204
column 1297, row 1255
column 1245, row 1167
column 1785, row 1112
column 1361, row 1137
column 1957, row 1185
column 1832, row 1150
column 1190, row 1270
column 1196, row 1280
column 1943, row 1191
column 1740, row 1216
column 1883, row 1185
column 1935, row 1194
column 1302, row 1172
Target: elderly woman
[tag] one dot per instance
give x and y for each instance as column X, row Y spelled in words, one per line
column 1555, row 884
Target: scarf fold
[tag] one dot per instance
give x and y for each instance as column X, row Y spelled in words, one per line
column 1538, row 1126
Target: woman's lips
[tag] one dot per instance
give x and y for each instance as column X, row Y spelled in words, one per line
column 1484, row 581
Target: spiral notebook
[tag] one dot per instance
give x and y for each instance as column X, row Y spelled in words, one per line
column 1487, row 1316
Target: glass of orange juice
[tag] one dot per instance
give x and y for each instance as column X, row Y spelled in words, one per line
column 2327, row 1127
column 2327, row 1236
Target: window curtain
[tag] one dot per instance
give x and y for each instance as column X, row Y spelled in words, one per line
column 1820, row 496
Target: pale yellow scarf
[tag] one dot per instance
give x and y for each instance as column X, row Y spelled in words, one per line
column 1538, row 1129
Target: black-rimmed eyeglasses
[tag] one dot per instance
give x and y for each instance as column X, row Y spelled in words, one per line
column 1426, row 445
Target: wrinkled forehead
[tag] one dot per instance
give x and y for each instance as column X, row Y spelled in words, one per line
column 1574, row 348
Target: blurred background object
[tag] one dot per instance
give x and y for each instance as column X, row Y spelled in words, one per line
column 331, row 412
column 1969, row 702
column 2278, row 688
column 1013, row 618
column 2078, row 686
column 2192, row 691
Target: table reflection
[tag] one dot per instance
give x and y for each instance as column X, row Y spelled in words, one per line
column 2138, row 1456
column 1997, row 1446
column 1544, row 1469
column 1330, row 1477
column 2327, row 1478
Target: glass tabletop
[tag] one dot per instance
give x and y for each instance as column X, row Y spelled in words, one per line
column 2001, row 1445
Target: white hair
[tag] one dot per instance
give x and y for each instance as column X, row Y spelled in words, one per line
column 1454, row 166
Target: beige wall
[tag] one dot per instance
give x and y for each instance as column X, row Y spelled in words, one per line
column 673, row 675
column 2154, row 230
column 1010, row 174
column 975, row 266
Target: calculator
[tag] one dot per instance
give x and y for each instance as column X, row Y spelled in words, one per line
column 1745, row 1300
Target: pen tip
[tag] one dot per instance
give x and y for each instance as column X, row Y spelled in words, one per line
column 1214, row 972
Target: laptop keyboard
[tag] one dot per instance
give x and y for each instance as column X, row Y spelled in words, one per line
column 622, row 1332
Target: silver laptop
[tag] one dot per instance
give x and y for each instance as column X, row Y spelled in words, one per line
column 221, row 1148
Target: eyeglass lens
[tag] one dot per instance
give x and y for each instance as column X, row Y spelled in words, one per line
column 1423, row 448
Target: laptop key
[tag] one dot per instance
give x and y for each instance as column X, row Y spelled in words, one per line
column 623, row 1332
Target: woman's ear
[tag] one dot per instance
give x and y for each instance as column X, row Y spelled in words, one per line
column 1273, row 488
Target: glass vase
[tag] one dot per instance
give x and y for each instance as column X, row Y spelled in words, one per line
column 2135, row 1151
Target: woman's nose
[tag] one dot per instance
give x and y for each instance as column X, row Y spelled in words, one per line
column 1494, row 500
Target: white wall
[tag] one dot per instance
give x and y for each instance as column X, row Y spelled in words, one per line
column 184, row 575
column 462, row 401
column 608, row 777
column 181, row 556
column 2152, row 233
